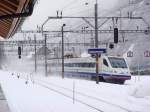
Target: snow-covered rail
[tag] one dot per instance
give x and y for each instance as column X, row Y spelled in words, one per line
column 93, row 97
column 68, row 93
column 62, row 93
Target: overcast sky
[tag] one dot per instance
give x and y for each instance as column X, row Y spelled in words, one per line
column 46, row 8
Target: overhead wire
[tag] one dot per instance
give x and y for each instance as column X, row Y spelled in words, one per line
column 76, row 7
column 70, row 4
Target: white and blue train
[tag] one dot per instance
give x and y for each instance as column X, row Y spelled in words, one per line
column 111, row 68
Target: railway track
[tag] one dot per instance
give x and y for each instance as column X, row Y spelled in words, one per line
column 68, row 96
column 57, row 88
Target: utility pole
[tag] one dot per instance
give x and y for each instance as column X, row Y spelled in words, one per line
column 96, row 42
column 45, row 52
column 45, row 49
column 35, row 53
column 62, row 30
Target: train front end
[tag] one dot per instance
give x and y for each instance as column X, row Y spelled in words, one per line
column 118, row 70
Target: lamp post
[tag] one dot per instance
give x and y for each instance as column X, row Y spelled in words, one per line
column 35, row 57
column 45, row 47
column 62, row 30
column 83, row 29
column 45, row 52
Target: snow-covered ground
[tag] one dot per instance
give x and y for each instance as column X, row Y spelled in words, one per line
column 37, row 93
column 3, row 102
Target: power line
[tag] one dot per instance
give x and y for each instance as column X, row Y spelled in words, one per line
column 87, row 31
column 70, row 3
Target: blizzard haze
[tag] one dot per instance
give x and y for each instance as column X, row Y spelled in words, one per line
column 35, row 83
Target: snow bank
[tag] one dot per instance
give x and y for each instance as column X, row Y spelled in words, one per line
column 141, row 88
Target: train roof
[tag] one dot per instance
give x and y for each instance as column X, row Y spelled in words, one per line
column 87, row 59
column 115, row 56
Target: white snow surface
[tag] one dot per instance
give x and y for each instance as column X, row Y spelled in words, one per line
column 141, row 89
column 54, row 94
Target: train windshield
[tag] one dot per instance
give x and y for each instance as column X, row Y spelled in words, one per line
column 117, row 62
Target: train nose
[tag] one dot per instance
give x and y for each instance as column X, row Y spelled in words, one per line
column 121, row 71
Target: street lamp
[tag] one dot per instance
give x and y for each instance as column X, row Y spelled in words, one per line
column 62, row 30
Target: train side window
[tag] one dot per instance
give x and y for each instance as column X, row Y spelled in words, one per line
column 105, row 62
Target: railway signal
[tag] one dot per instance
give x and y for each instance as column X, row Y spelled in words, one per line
column 115, row 35
column 19, row 52
column 111, row 46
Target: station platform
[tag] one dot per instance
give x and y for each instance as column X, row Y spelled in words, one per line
column 3, row 103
